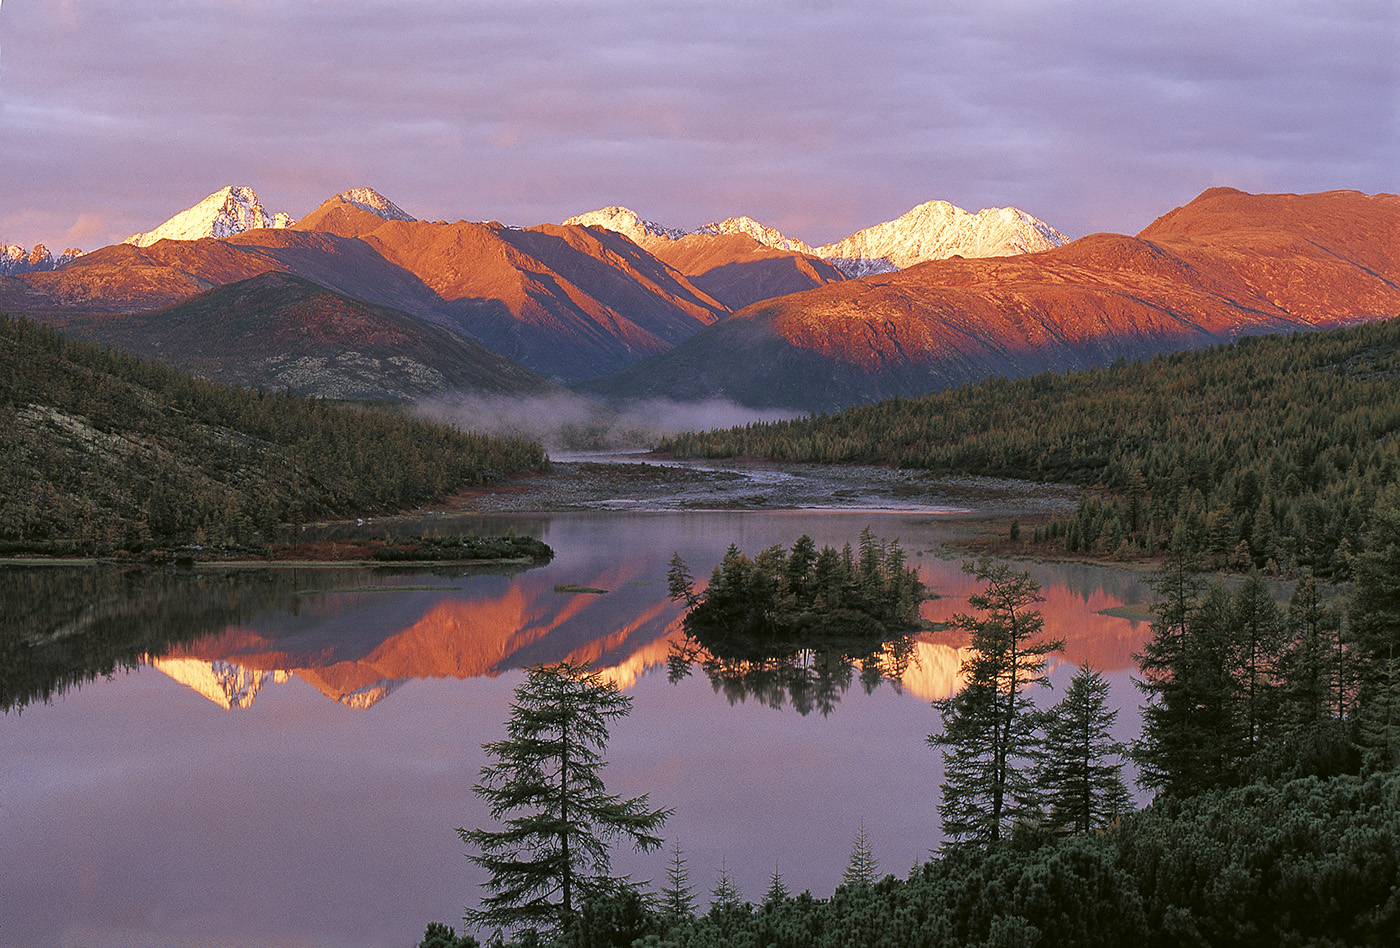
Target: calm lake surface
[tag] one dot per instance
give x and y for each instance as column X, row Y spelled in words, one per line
column 292, row 773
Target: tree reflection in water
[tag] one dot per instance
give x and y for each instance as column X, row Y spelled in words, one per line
column 809, row 672
column 792, row 626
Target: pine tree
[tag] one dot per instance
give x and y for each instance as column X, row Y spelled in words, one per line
column 1375, row 615
column 1258, row 629
column 862, row 867
column 777, row 892
column 725, row 895
column 678, row 898
column 1082, row 781
column 988, row 728
column 1194, row 733
column 553, row 851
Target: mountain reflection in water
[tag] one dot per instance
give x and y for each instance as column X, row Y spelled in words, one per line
column 356, row 635
column 148, row 815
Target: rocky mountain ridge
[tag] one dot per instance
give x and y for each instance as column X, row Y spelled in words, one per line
column 934, row 230
column 15, row 260
column 226, row 212
column 938, row 230
column 1225, row 265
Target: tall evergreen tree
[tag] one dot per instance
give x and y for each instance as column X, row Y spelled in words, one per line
column 678, row 898
column 862, row 867
column 1315, row 661
column 725, row 895
column 1080, row 769
column 1375, row 616
column 545, row 786
column 1258, row 628
column 988, row 734
column 1191, row 732
column 777, row 892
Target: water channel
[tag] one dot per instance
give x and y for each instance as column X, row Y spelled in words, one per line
column 288, row 769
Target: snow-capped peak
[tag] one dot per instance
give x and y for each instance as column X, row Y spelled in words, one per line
column 15, row 260
column 749, row 227
column 937, row 230
column 224, row 213
column 368, row 199
column 625, row 222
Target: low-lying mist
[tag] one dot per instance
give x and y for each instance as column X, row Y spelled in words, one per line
column 569, row 422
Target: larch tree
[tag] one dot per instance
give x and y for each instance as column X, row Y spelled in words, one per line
column 777, row 892
column 1375, row 616
column 989, row 738
column 1080, row 770
column 678, row 898
column 545, row 786
column 862, row 866
column 725, row 895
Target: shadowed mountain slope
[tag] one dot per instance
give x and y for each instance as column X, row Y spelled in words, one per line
column 1225, row 265
column 277, row 331
column 568, row 302
column 738, row 271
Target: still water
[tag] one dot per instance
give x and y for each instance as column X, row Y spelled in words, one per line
column 290, row 771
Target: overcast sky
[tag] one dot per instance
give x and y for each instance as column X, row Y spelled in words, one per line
column 818, row 117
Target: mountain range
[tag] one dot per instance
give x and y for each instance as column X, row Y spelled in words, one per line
column 15, row 260
column 1225, row 265
column 618, row 306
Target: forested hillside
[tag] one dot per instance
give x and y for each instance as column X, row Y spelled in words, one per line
column 1268, row 449
column 107, row 449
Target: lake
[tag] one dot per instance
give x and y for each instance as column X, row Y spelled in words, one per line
column 290, row 773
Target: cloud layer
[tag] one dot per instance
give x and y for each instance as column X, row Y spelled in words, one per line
column 816, row 117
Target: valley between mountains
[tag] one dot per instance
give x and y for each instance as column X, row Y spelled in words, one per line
column 359, row 300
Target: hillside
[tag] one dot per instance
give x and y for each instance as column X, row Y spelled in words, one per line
column 1266, row 452
column 280, row 332
column 107, row 449
column 737, row 270
column 566, row 302
column 1226, row 265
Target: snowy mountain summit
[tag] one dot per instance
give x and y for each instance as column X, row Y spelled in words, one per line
column 15, row 260
column 768, row 236
column 938, row 230
column 368, row 199
column 625, row 222
column 931, row 231
column 222, row 214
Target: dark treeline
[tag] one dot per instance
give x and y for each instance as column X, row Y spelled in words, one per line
column 115, row 451
column 1304, row 862
column 1266, row 451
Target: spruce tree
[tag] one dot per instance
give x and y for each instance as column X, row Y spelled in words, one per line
column 545, row 786
column 989, row 735
column 725, row 895
column 862, row 867
column 678, row 898
column 1375, row 615
column 1081, row 766
column 777, row 892
column 1193, row 732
